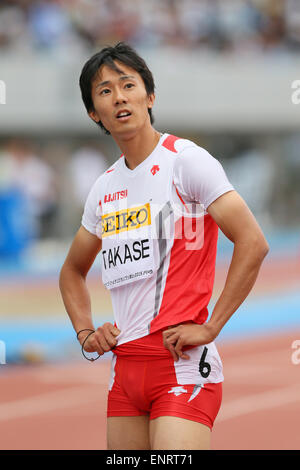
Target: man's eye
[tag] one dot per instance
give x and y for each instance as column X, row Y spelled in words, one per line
column 104, row 92
column 129, row 85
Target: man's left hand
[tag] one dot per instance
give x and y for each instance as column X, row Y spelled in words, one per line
column 191, row 334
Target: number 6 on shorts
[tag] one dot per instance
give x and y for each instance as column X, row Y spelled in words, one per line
column 204, row 367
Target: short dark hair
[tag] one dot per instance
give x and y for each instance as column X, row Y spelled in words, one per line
column 123, row 53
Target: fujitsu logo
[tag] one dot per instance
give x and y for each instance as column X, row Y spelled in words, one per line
column 154, row 169
column 111, row 197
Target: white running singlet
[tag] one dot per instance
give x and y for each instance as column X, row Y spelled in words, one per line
column 158, row 240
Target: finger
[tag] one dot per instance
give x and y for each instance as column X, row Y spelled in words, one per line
column 178, row 348
column 114, row 330
column 175, row 356
column 184, row 356
column 172, row 338
column 92, row 345
column 104, row 338
column 169, row 332
column 111, row 335
column 169, row 344
column 99, row 342
column 111, row 341
column 104, row 344
column 97, row 350
column 107, row 337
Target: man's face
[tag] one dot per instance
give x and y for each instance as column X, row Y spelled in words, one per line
column 120, row 100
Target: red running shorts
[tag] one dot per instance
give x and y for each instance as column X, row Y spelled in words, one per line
column 144, row 384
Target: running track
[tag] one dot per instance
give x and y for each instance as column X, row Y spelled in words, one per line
column 62, row 406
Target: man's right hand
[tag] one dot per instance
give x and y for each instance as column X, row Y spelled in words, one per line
column 102, row 340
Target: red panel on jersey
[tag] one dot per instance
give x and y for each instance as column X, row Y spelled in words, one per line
column 169, row 143
column 190, row 278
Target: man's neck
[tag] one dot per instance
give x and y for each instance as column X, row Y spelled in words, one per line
column 138, row 147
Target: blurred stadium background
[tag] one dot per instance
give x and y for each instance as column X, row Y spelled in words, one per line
column 225, row 74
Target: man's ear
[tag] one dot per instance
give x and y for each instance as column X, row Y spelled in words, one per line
column 94, row 116
column 151, row 99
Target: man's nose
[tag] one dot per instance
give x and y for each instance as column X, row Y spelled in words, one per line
column 120, row 96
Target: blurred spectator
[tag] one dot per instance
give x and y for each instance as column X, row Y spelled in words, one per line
column 35, row 180
column 252, row 173
column 291, row 177
column 292, row 18
column 272, row 24
column 13, row 24
column 48, row 22
column 86, row 164
column 216, row 25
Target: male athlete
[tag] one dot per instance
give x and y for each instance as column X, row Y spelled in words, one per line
column 155, row 214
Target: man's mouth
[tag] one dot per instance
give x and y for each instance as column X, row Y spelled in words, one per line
column 123, row 115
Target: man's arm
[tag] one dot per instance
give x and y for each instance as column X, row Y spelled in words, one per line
column 72, row 283
column 250, row 247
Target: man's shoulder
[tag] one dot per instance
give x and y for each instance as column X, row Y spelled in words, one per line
column 189, row 153
column 176, row 144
